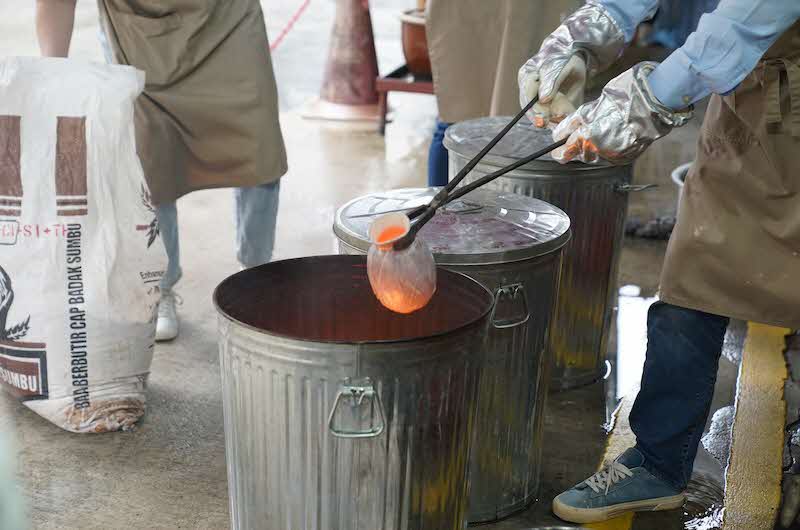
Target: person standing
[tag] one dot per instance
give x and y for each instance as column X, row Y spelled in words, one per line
column 734, row 251
column 208, row 116
column 476, row 48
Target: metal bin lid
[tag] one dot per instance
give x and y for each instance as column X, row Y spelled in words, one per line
column 467, row 138
column 482, row 228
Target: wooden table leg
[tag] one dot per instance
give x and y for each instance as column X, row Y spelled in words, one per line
column 382, row 110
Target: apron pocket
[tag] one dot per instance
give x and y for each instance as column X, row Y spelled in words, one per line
column 155, row 44
column 153, row 25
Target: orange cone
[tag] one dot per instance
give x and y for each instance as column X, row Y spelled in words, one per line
column 348, row 90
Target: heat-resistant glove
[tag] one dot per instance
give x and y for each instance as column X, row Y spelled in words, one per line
column 587, row 42
column 620, row 124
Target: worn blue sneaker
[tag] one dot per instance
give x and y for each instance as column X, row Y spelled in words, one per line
column 624, row 486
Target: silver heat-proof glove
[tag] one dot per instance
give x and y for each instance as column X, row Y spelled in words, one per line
column 620, row 124
column 587, row 42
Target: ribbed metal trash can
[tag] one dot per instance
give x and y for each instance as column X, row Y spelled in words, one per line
column 339, row 414
column 596, row 199
column 512, row 245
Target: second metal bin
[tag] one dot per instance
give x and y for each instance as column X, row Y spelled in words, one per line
column 596, row 199
column 512, row 245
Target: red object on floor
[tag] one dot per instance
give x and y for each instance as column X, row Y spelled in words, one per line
column 352, row 66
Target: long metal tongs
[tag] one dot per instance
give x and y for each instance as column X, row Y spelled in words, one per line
column 425, row 213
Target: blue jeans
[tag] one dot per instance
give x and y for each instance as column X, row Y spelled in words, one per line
column 680, row 371
column 256, row 213
column 437, row 157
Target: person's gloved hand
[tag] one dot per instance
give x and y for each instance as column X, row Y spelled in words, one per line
column 620, row 124
column 587, row 42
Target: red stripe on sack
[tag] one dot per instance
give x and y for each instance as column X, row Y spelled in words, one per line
column 73, row 212
column 23, row 345
column 71, row 159
column 10, row 154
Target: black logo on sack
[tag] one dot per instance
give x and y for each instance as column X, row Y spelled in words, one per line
column 23, row 365
column 12, row 333
column 152, row 228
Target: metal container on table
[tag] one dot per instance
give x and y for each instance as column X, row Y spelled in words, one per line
column 596, row 199
column 511, row 244
column 415, row 42
column 340, row 414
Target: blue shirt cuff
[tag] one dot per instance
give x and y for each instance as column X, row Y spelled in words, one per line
column 675, row 83
column 628, row 14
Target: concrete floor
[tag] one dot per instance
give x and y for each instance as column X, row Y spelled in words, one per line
column 170, row 472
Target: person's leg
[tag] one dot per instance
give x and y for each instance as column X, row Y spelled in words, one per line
column 55, row 22
column 167, row 323
column 256, row 216
column 678, row 380
column 437, row 157
column 668, row 416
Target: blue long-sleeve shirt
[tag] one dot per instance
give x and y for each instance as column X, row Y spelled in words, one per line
column 726, row 46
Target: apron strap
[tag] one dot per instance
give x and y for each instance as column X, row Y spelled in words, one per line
column 772, row 79
column 793, row 75
column 772, row 72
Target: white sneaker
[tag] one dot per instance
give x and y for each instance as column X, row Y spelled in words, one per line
column 167, row 323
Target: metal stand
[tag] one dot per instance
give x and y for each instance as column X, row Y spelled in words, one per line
column 399, row 80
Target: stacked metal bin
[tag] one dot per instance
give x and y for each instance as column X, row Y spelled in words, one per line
column 512, row 245
column 596, row 199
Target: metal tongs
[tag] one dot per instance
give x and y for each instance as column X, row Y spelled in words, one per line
column 425, row 213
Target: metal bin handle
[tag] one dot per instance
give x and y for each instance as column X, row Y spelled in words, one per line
column 633, row 188
column 357, row 392
column 512, row 291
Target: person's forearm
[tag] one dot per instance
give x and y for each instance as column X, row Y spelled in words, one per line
column 54, row 22
column 726, row 47
column 629, row 13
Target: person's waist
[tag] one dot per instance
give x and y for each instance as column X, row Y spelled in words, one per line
column 783, row 53
column 776, row 64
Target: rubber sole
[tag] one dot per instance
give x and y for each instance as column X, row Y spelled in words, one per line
column 597, row 515
column 166, row 337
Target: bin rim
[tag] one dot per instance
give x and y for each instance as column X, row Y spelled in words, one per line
column 456, row 136
column 348, row 234
column 475, row 323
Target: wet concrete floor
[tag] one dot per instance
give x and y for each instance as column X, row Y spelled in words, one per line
column 170, row 472
column 577, row 421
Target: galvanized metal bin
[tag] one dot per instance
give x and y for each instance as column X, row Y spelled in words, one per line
column 339, row 414
column 512, row 245
column 596, row 199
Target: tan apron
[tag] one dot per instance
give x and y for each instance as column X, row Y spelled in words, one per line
column 735, row 250
column 209, row 113
column 478, row 46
